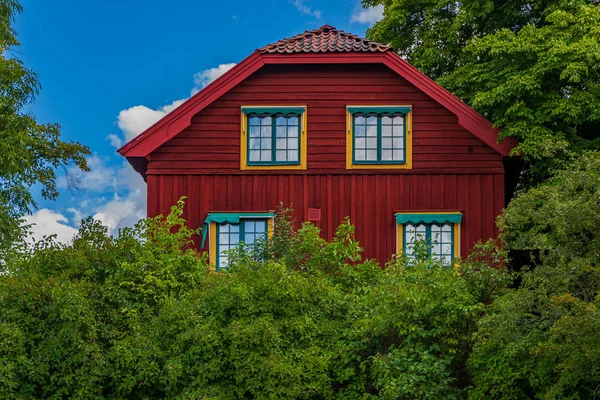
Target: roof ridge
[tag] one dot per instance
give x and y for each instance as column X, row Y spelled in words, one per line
column 324, row 39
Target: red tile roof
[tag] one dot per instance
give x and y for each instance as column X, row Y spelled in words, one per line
column 322, row 40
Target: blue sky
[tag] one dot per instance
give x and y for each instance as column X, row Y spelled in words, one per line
column 110, row 69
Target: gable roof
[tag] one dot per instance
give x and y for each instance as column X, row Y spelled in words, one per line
column 323, row 40
column 320, row 46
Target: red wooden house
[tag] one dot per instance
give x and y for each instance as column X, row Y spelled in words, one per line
column 334, row 125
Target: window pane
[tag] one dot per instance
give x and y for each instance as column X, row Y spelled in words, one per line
column 386, row 119
column 224, row 238
column 372, row 155
column 371, row 130
column 360, row 155
column 260, row 226
column 255, row 131
column 266, row 120
column 281, row 131
column 281, row 155
column 265, row 143
column 292, row 155
column 249, row 238
column 281, row 144
column 281, row 120
column 254, row 155
column 254, row 144
column 234, row 228
column 397, row 130
column 386, row 143
column 249, row 226
column 397, row 155
column 372, row 143
column 386, row 155
column 265, row 155
column 397, row 143
column 293, row 121
column 398, row 119
column 292, row 144
column 265, row 131
column 360, row 120
column 359, row 130
column 360, row 143
column 446, row 249
column 292, row 131
column 234, row 239
column 386, row 130
column 254, row 120
column 372, row 120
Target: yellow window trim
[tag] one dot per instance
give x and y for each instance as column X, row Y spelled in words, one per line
column 350, row 165
column 244, row 142
column 212, row 241
column 456, row 238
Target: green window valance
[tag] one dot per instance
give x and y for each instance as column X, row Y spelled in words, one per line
column 229, row 218
column 378, row 110
column 273, row 110
column 428, row 218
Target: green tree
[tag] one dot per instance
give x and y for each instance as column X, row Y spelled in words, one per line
column 530, row 66
column 30, row 152
column 542, row 340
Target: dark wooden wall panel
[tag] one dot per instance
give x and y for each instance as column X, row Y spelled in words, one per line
column 369, row 200
column 211, row 143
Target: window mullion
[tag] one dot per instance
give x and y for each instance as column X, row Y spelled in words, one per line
column 428, row 238
column 273, row 139
column 352, row 138
column 242, row 232
column 379, row 137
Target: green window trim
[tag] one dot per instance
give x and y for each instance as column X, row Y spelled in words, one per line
column 274, row 113
column 241, row 233
column 232, row 218
column 379, row 110
column 361, row 112
column 273, row 110
column 415, row 219
column 428, row 238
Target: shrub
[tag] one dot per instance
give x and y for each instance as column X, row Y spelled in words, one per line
column 141, row 315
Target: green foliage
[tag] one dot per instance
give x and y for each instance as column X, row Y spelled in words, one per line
column 141, row 315
column 31, row 152
column 530, row 66
column 542, row 339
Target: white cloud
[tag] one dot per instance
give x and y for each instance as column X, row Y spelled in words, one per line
column 203, row 78
column 99, row 178
column 368, row 16
column 124, row 210
column 115, row 140
column 137, row 119
column 46, row 222
column 304, row 9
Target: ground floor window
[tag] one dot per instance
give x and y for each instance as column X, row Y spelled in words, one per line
column 230, row 236
column 228, row 230
column 437, row 232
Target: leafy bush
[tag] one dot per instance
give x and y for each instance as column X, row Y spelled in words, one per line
column 141, row 315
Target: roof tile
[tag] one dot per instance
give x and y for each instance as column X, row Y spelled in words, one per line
column 323, row 40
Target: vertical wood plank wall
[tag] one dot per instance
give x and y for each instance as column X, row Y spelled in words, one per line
column 369, row 200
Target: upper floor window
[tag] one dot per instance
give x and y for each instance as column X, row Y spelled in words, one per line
column 439, row 232
column 379, row 137
column 273, row 138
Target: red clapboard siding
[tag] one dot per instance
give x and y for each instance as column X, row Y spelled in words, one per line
column 369, row 200
column 211, row 143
